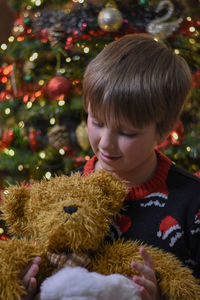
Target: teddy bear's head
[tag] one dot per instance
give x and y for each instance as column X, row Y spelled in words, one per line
column 65, row 212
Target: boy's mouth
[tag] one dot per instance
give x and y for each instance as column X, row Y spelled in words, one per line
column 108, row 158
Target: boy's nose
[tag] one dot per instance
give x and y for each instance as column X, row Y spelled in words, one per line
column 107, row 140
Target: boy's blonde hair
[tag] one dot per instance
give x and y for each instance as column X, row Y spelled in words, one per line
column 139, row 79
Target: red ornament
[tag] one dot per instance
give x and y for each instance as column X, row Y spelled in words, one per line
column 7, row 138
column 197, row 173
column 196, row 80
column 33, row 140
column 58, row 88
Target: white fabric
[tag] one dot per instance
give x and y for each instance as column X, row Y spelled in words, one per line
column 76, row 283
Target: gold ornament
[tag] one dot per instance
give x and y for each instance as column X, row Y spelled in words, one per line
column 110, row 19
column 82, row 136
column 159, row 27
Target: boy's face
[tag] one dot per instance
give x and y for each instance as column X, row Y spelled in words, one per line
column 126, row 151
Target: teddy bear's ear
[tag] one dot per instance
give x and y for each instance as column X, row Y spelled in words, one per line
column 14, row 200
column 114, row 189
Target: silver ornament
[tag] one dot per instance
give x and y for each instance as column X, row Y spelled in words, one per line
column 159, row 27
column 110, row 19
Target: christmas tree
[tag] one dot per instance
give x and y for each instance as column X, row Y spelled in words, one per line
column 43, row 128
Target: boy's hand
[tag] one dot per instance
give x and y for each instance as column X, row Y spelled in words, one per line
column 147, row 282
column 28, row 279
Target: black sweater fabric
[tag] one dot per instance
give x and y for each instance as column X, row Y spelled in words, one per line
column 163, row 212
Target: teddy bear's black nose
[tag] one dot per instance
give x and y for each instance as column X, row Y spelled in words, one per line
column 70, row 209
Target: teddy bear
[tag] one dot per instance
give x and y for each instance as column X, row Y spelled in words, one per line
column 72, row 215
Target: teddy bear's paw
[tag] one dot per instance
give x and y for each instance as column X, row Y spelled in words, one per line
column 15, row 255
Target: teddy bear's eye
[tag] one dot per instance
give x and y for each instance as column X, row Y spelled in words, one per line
column 70, row 209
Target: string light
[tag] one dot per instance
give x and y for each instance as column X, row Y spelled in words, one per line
column 21, row 124
column 38, row 3
column 11, row 39
column 42, row 155
column 20, row 168
column 48, row 175
column 41, row 82
column 61, row 102
column 7, row 111
column 29, row 104
column 192, row 29
column 4, row 46
column 34, row 56
column 86, row 50
column 176, row 51
column 188, row 149
column 11, row 152
column 6, row 151
column 62, row 151
column 68, row 59
column 52, row 121
column 189, row 19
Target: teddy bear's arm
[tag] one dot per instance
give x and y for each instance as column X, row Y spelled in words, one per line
column 175, row 280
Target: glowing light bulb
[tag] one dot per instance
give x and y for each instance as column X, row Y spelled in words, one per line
column 192, row 29
column 62, row 151
column 21, row 124
column 61, row 102
column 34, row 56
column 48, row 175
column 11, row 39
column 52, row 121
column 188, row 149
column 7, row 111
column 175, row 135
column 42, row 155
column 4, row 47
column 86, row 50
column 176, row 51
column 29, row 104
column 20, row 168
column 11, row 152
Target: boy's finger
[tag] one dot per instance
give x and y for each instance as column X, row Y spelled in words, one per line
column 146, row 258
column 30, row 274
column 30, row 290
column 37, row 260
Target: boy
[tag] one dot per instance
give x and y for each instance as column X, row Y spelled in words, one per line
column 134, row 91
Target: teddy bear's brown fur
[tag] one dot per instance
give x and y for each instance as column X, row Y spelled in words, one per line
column 74, row 214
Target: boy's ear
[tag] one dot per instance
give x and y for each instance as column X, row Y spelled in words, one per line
column 13, row 204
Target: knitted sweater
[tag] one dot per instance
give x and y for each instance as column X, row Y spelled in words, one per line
column 163, row 212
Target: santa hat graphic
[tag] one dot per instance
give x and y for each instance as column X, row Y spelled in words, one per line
column 167, row 226
column 197, row 217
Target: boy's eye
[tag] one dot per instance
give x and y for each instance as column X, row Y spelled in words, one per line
column 128, row 134
column 97, row 123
